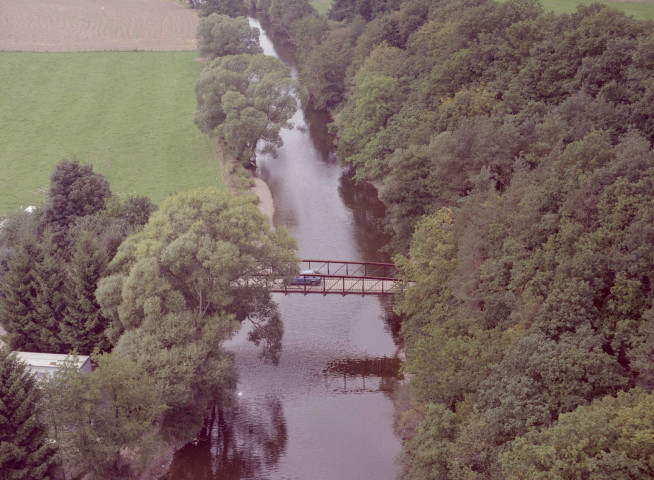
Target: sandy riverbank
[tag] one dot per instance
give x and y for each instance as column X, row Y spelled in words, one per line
column 266, row 204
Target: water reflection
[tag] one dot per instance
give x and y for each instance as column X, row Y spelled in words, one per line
column 234, row 443
column 368, row 214
column 392, row 321
column 375, row 366
column 320, row 136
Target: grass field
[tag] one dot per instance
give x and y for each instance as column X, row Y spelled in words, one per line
column 322, row 6
column 129, row 114
column 642, row 11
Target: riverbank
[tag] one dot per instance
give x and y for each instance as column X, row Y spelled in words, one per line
column 266, row 204
column 160, row 463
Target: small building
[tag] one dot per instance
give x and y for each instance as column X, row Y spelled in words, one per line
column 44, row 364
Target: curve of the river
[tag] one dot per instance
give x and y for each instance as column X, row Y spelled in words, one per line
column 325, row 411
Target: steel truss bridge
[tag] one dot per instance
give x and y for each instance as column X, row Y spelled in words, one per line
column 340, row 278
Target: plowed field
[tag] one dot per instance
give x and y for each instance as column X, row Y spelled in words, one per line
column 96, row 25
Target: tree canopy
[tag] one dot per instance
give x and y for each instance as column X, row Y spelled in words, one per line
column 24, row 449
column 97, row 416
column 50, row 262
column 75, row 191
column 221, row 35
column 247, row 99
column 182, row 286
column 231, row 8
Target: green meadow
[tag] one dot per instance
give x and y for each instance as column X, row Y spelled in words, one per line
column 641, row 11
column 129, row 114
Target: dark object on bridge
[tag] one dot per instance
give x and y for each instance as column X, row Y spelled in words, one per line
column 307, row 277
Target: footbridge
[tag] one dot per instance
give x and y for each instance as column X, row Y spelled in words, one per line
column 336, row 277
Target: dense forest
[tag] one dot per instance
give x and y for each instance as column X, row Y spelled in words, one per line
column 512, row 147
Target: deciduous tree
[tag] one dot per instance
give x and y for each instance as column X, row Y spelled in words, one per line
column 609, row 439
column 96, row 416
column 249, row 98
column 221, row 35
column 232, row 8
column 181, row 286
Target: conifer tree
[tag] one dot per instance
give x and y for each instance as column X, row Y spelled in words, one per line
column 84, row 324
column 18, row 292
column 75, row 191
column 24, row 451
column 32, row 305
column 50, row 302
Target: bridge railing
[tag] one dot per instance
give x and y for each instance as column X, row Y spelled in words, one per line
column 350, row 269
column 331, row 284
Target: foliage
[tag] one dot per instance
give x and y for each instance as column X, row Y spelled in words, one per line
column 75, row 191
column 248, row 99
column 321, row 6
column 641, row 11
column 231, row 8
column 24, row 449
column 47, row 292
column 642, row 355
column 347, row 10
column 96, row 416
column 283, row 14
column 430, row 447
column 609, row 439
column 133, row 210
column 181, row 286
column 220, row 35
column 539, row 379
column 325, row 58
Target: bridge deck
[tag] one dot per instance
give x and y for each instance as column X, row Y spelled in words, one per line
column 342, row 285
column 339, row 278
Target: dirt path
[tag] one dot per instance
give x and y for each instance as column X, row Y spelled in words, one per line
column 96, row 25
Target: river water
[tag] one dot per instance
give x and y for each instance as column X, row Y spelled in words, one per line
column 325, row 411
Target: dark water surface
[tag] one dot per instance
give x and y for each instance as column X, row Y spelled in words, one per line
column 325, row 411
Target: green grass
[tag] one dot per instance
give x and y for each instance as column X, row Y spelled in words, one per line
column 129, row 114
column 641, row 11
column 322, row 6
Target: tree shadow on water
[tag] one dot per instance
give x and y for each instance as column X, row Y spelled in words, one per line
column 243, row 441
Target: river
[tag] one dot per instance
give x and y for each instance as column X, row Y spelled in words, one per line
column 325, row 411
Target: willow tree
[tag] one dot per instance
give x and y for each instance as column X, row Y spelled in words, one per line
column 246, row 100
column 183, row 285
column 220, row 35
column 102, row 421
